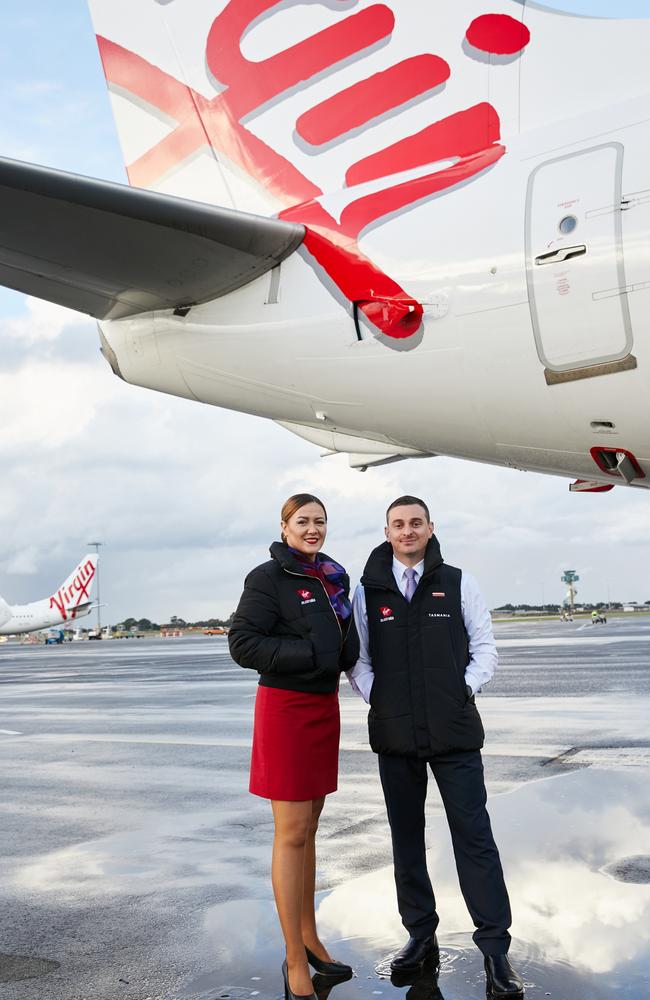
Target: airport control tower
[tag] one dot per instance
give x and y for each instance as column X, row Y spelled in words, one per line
column 569, row 577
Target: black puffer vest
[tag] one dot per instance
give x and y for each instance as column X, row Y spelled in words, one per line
column 418, row 704
column 286, row 629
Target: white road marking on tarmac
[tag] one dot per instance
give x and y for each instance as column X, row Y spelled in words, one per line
column 9, row 732
column 128, row 738
column 572, row 640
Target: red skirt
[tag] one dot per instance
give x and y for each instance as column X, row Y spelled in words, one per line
column 295, row 745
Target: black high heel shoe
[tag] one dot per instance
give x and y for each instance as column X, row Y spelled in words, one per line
column 288, row 995
column 337, row 969
column 323, row 985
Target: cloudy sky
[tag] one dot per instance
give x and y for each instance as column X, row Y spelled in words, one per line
column 186, row 497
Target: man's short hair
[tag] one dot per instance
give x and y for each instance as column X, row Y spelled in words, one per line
column 407, row 502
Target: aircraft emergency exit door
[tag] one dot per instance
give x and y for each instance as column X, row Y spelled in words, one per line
column 574, row 260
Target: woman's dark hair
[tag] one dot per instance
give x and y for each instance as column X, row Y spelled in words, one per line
column 408, row 502
column 294, row 503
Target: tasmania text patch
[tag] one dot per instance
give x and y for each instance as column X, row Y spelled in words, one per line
column 386, row 614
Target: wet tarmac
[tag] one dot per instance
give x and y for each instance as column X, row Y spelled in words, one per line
column 135, row 863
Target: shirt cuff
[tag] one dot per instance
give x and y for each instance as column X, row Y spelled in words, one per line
column 473, row 682
column 362, row 684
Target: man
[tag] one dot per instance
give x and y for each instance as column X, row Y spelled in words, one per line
column 426, row 648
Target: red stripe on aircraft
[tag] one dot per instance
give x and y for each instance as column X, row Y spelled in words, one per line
column 461, row 134
column 254, row 83
column 369, row 98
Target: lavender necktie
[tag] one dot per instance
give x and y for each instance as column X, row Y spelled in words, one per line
column 410, row 583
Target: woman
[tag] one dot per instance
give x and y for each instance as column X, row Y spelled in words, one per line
column 294, row 626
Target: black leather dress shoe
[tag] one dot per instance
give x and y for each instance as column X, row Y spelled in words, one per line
column 425, row 986
column 415, row 953
column 501, row 979
column 423, row 981
column 338, row 969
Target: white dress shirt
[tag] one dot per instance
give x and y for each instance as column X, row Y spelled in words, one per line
column 478, row 625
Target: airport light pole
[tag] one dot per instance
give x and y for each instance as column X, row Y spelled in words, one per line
column 95, row 546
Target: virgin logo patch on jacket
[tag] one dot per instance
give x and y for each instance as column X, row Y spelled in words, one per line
column 307, row 596
column 387, row 614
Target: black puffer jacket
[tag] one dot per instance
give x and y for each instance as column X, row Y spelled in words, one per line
column 286, row 629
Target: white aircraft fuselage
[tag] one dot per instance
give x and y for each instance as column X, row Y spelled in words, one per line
column 486, row 381
column 37, row 615
column 71, row 601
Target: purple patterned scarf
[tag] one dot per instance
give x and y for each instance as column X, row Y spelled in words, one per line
column 331, row 574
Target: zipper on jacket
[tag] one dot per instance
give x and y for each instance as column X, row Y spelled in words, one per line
column 329, row 603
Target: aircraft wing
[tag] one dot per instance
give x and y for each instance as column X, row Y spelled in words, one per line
column 113, row 251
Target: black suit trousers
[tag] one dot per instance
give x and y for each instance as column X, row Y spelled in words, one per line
column 461, row 784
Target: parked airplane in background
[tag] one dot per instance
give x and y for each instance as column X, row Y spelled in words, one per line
column 71, row 601
column 416, row 229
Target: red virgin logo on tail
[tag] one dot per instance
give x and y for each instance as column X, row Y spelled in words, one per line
column 470, row 136
column 68, row 598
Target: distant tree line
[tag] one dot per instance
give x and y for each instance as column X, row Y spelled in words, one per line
column 528, row 607
column 554, row 608
column 146, row 625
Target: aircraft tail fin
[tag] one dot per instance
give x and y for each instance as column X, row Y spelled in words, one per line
column 204, row 111
column 76, row 590
column 311, row 112
column 178, row 129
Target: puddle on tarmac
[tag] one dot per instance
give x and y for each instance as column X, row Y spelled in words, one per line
column 578, row 932
column 460, row 976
